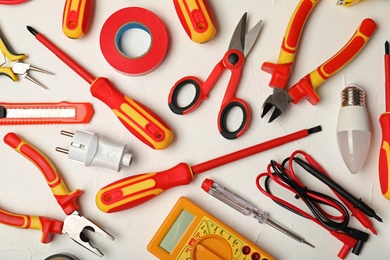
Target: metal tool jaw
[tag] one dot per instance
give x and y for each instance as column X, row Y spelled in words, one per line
column 278, row 100
column 74, row 226
column 243, row 41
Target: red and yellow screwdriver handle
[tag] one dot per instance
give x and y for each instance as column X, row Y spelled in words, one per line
column 384, row 155
column 66, row 199
column 135, row 190
column 137, row 118
column 305, row 88
column 76, row 17
column 196, row 19
column 280, row 71
column 48, row 226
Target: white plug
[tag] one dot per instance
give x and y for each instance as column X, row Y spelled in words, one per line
column 90, row 149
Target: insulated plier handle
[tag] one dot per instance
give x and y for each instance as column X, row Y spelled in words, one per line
column 74, row 224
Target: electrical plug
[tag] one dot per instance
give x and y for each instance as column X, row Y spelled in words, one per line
column 90, row 149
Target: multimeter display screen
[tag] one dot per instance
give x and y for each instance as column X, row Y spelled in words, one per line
column 177, row 230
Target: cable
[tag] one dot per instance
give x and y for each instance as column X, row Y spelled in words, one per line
column 337, row 224
column 12, row 2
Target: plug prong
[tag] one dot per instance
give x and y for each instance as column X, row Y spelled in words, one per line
column 62, row 150
column 66, row 133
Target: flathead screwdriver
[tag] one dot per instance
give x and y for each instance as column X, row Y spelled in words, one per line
column 237, row 202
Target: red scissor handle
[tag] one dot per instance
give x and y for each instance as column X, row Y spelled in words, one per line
column 233, row 60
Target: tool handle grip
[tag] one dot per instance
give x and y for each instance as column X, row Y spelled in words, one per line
column 64, row 198
column 7, row 51
column 7, row 71
column 281, row 70
column 306, row 86
column 48, row 226
column 138, row 119
column 384, row 156
column 135, row 190
column 76, row 17
column 196, row 19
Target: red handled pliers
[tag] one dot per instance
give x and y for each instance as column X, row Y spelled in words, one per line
column 240, row 45
column 74, row 224
column 305, row 88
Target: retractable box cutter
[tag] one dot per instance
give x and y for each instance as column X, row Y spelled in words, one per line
column 45, row 113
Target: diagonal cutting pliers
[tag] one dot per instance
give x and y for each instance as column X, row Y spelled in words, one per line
column 18, row 68
column 240, row 45
column 74, row 224
column 305, row 88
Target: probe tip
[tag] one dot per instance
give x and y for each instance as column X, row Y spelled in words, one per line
column 32, row 30
column 387, row 48
column 307, row 243
column 378, row 218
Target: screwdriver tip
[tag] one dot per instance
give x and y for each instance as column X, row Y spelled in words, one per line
column 387, row 51
column 32, row 30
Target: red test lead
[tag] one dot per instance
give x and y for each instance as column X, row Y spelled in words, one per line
column 137, row 118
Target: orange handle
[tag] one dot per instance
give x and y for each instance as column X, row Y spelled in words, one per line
column 137, row 118
column 47, row 225
column 64, row 198
column 135, row 190
column 76, row 17
column 384, row 156
column 281, row 70
column 306, row 86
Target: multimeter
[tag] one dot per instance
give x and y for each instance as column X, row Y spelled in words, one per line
column 191, row 233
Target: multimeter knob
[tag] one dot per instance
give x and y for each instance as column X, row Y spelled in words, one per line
column 211, row 247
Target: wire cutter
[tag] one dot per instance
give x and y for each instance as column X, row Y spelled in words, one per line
column 74, row 224
column 240, row 45
column 18, row 67
column 280, row 71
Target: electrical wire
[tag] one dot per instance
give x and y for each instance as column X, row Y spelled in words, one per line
column 319, row 203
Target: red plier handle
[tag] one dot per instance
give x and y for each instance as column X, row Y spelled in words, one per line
column 233, row 60
column 66, row 199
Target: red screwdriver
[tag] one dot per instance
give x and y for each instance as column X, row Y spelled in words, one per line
column 135, row 190
column 137, row 118
column 384, row 155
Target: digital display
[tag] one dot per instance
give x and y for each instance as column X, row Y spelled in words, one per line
column 177, row 230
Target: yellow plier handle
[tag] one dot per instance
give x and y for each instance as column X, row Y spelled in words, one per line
column 6, row 50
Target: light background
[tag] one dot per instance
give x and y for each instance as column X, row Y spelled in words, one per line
column 329, row 27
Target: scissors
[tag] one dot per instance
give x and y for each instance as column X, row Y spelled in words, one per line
column 240, row 45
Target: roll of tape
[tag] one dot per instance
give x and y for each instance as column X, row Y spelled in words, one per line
column 130, row 18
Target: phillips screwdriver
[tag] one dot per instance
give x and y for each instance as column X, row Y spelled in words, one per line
column 138, row 119
column 245, row 207
column 384, row 154
column 137, row 189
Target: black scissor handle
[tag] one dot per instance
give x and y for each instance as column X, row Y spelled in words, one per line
column 223, row 114
column 173, row 95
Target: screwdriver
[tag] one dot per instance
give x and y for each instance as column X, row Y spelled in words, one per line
column 135, row 190
column 245, row 207
column 384, row 154
column 137, row 118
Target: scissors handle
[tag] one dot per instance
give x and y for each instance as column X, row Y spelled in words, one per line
column 174, row 95
column 223, row 118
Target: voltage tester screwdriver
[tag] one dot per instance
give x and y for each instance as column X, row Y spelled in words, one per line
column 245, row 207
column 384, row 155
column 135, row 190
column 137, row 118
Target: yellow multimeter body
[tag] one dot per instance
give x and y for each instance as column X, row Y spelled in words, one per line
column 190, row 233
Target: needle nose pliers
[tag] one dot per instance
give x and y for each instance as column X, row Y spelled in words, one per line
column 305, row 88
column 18, row 67
column 74, row 224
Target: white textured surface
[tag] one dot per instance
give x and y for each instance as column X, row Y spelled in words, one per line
column 23, row 189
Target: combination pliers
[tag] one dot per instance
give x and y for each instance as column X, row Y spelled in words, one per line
column 74, row 224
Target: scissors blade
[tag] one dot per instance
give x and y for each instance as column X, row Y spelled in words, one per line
column 238, row 38
column 251, row 37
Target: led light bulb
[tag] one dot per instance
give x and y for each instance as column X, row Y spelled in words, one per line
column 353, row 128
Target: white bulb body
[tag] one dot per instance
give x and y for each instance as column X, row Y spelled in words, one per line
column 353, row 136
